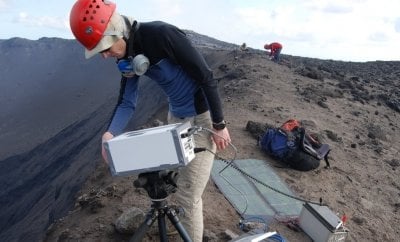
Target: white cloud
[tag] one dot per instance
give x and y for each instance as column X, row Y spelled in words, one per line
column 152, row 9
column 3, row 4
column 168, row 8
column 340, row 29
column 337, row 29
column 378, row 37
column 332, row 6
column 60, row 23
column 397, row 25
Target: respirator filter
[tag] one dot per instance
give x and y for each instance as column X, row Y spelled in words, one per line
column 133, row 66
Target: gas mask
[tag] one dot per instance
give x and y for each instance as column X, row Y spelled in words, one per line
column 137, row 65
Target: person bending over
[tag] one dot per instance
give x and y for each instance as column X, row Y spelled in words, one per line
column 275, row 51
column 163, row 53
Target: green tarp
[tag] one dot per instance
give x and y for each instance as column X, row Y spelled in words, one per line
column 251, row 199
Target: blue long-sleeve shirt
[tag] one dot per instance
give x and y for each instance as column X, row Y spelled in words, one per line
column 177, row 67
column 176, row 84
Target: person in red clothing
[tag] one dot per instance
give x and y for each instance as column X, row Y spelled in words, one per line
column 275, row 52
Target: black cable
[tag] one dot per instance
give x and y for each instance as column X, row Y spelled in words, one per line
column 231, row 164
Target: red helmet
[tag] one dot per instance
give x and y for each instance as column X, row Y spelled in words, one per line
column 89, row 19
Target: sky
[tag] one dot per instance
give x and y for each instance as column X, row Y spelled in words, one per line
column 347, row 30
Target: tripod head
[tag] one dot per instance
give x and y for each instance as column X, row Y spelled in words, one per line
column 158, row 184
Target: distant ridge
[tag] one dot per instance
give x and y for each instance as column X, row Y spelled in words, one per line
column 200, row 40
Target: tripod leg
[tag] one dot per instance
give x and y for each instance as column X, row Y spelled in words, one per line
column 162, row 228
column 173, row 217
column 144, row 227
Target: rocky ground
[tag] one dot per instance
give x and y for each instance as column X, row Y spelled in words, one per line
column 354, row 106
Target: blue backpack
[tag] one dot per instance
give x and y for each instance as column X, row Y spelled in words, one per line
column 295, row 148
column 276, row 143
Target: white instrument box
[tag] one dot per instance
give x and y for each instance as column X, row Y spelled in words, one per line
column 153, row 149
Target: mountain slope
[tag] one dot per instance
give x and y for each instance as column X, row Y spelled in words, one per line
column 52, row 116
column 44, row 89
column 48, row 178
column 335, row 99
column 56, row 105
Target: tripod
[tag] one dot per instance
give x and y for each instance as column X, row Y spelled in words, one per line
column 159, row 185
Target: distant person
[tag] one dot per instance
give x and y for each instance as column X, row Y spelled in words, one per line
column 243, row 47
column 275, row 51
column 163, row 53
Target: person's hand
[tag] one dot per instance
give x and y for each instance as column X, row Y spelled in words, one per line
column 129, row 75
column 221, row 138
column 106, row 136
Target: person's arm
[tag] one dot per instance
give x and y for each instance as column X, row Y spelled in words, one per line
column 273, row 49
column 194, row 64
column 179, row 48
column 125, row 107
column 123, row 111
